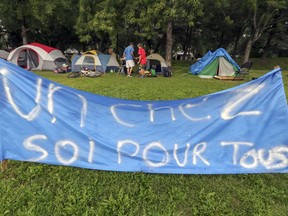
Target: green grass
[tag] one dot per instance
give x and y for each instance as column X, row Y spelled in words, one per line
column 38, row 189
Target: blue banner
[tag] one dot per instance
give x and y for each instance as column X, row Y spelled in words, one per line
column 239, row 130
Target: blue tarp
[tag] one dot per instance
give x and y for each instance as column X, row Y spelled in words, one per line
column 209, row 57
column 194, row 69
column 239, row 130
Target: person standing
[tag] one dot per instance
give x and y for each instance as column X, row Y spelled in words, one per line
column 129, row 58
column 111, row 52
column 141, row 59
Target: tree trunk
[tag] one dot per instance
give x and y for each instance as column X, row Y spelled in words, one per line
column 187, row 42
column 117, row 50
column 149, row 44
column 268, row 43
column 169, row 43
column 220, row 44
column 24, row 31
column 247, row 50
column 24, row 35
column 237, row 39
column 257, row 34
column 266, row 48
column 157, row 46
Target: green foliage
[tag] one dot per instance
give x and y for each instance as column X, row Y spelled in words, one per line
column 39, row 18
column 197, row 25
column 38, row 189
column 151, row 17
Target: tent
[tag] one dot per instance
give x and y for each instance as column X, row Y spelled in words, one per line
column 156, row 62
column 108, row 62
column 74, row 67
column 4, row 54
column 36, row 56
column 218, row 63
column 195, row 67
column 94, row 60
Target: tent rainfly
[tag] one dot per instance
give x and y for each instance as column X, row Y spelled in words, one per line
column 36, row 56
column 108, row 62
column 218, row 63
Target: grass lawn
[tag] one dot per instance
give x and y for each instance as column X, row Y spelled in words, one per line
column 39, row 189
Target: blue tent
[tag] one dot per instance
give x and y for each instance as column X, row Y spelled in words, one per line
column 217, row 63
column 194, row 69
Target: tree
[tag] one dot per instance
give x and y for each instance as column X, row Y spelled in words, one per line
column 15, row 17
column 161, row 24
column 261, row 16
column 156, row 19
column 49, row 22
column 56, row 19
column 273, row 42
column 219, row 26
column 100, row 23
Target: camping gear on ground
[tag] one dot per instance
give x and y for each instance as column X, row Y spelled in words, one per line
column 36, row 56
column 95, row 60
column 218, row 63
column 156, row 62
column 167, row 72
column 85, row 72
column 4, row 54
column 151, row 73
column 63, row 69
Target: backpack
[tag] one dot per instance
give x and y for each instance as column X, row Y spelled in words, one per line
column 153, row 72
column 167, row 72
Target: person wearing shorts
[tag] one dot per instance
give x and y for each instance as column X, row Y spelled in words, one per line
column 129, row 58
column 141, row 59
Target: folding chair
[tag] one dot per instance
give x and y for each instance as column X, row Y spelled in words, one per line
column 243, row 71
column 122, row 67
column 121, row 70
